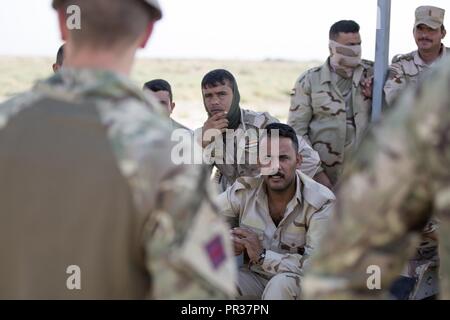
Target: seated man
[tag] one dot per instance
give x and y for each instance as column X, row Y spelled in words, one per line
column 162, row 90
column 239, row 129
column 277, row 218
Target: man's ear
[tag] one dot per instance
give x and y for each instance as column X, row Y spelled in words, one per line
column 299, row 160
column 55, row 67
column 147, row 34
column 172, row 105
column 62, row 24
column 444, row 33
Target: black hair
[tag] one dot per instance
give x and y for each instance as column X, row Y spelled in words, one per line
column 284, row 131
column 344, row 26
column 217, row 77
column 60, row 56
column 159, row 85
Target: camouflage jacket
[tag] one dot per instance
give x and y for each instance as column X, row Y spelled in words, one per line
column 87, row 180
column 398, row 180
column 231, row 168
column 318, row 113
column 405, row 70
column 290, row 243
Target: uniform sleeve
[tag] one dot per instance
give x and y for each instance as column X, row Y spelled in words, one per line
column 311, row 163
column 395, row 83
column 229, row 204
column 276, row 262
column 387, row 198
column 300, row 112
column 188, row 250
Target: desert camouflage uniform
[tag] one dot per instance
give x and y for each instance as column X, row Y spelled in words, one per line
column 288, row 245
column 333, row 126
column 399, row 179
column 249, row 127
column 87, row 180
column 405, row 70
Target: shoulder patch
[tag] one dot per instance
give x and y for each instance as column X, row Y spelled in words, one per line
column 406, row 57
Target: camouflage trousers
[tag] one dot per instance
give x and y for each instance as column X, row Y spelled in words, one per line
column 282, row 286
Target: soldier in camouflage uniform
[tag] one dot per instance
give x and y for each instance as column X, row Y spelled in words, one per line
column 278, row 220
column 242, row 127
column 87, row 182
column 399, row 178
column 331, row 104
column 406, row 69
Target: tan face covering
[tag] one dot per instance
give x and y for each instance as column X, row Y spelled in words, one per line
column 344, row 59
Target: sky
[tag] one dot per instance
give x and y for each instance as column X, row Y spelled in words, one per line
column 227, row 29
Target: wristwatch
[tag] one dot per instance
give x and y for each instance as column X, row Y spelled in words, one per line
column 261, row 257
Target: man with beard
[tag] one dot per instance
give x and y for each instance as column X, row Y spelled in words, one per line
column 406, row 69
column 278, row 219
column 235, row 132
column 331, row 104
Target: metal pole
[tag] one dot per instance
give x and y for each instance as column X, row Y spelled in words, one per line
column 381, row 57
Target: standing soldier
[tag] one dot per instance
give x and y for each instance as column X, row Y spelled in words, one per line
column 399, row 178
column 406, row 69
column 331, row 104
column 91, row 206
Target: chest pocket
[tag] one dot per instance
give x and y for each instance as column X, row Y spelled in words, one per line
column 293, row 239
column 324, row 104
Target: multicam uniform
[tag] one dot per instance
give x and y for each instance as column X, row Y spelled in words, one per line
column 86, row 180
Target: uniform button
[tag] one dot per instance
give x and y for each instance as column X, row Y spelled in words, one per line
column 275, row 237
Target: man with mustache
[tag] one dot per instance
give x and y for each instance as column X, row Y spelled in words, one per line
column 331, row 104
column 406, row 69
column 230, row 134
column 278, row 219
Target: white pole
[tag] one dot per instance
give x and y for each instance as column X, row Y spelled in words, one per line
column 381, row 57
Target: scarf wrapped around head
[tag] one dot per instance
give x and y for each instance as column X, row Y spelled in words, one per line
column 234, row 114
column 344, row 59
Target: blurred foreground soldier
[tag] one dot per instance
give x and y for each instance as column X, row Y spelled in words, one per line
column 331, row 104
column 399, row 178
column 163, row 92
column 91, row 205
column 278, row 220
column 406, row 69
column 237, row 129
column 59, row 59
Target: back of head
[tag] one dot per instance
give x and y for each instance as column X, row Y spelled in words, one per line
column 218, row 77
column 108, row 23
column 60, row 56
column 344, row 26
column 159, row 85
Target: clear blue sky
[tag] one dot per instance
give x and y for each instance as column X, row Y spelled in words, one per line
column 230, row 29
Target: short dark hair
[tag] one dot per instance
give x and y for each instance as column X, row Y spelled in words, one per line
column 284, row 131
column 107, row 23
column 159, row 85
column 60, row 56
column 217, row 77
column 344, row 26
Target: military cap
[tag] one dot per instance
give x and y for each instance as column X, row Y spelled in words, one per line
column 153, row 4
column 430, row 16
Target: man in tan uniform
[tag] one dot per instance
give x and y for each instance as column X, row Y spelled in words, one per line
column 91, row 205
column 406, row 69
column 331, row 104
column 239, row 128
column 278, row 220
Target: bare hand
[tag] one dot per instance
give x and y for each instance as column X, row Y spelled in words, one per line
column 250, row 241
column 367, row 86
column 219, row 122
